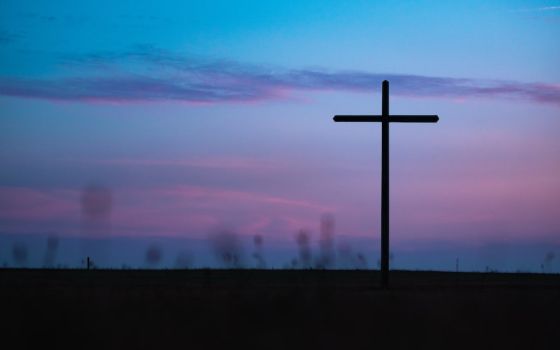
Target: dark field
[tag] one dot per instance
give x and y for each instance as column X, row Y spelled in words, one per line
column 281, row 309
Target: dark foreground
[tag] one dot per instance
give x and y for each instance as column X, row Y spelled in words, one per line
column 283, row 309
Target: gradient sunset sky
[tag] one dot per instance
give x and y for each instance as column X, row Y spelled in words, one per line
column 190, row 117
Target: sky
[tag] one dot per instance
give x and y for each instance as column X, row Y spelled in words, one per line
column 182, row 133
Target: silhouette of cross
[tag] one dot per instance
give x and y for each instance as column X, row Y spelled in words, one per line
column 385, row 119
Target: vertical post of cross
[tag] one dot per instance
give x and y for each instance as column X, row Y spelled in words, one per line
column 385, row 184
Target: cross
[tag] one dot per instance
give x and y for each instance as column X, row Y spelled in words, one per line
column 385, row 119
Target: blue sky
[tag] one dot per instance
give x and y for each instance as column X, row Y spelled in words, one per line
column 217, row 114
column 500, row 38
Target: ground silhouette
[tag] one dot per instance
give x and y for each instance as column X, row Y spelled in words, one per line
column 278, row 309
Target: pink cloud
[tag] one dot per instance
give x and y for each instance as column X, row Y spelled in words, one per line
column 230, row 162
column 507, row 190
column 195, row 210
column 191, row 210
column 18, row 203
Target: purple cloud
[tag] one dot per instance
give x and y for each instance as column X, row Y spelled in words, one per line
column 150, row 75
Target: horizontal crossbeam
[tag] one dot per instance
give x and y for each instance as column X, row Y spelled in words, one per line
column 392, row 118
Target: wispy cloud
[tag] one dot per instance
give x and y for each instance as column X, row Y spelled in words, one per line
column 7, row 37
column 550, row 14
column 540, row 9
column 146, row 74
column 230, row 163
